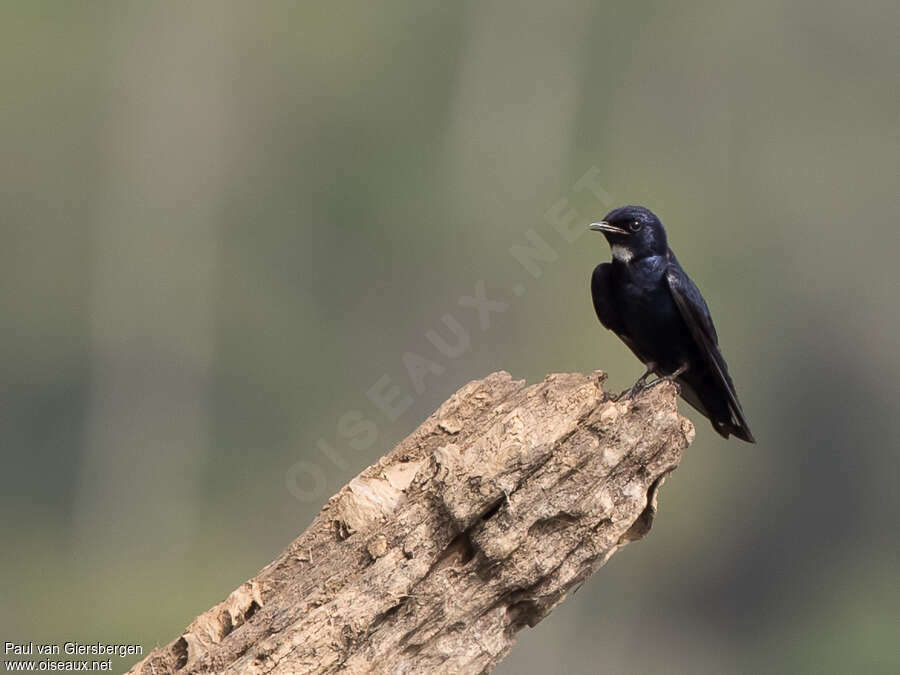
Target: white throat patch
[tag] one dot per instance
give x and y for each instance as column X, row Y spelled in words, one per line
column 621, row 253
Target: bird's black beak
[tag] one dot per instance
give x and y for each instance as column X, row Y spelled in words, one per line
column 603, row 226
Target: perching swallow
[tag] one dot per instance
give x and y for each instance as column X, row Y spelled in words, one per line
column 645, row 298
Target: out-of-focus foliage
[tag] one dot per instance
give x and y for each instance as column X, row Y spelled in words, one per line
column 222, row 223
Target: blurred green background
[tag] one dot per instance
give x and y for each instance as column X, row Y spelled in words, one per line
column 223, row 222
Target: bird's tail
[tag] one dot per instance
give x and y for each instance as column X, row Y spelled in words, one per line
column 733, row 423
column 740, row 430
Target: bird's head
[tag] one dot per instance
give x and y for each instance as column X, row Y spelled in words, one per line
column 633, row 232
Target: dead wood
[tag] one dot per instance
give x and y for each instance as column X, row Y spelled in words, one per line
column 476, row 525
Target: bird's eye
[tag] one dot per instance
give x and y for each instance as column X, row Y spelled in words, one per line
column 634, row 226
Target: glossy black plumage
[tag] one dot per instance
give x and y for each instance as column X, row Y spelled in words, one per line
column 646, row 298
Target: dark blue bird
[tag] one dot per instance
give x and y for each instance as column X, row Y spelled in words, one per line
column 645, row 298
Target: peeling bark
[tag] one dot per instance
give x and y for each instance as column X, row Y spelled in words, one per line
column 474, row 526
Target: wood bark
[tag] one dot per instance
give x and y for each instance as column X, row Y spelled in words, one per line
column 477, row 524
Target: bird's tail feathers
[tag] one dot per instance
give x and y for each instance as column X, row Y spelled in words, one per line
column 739, row 430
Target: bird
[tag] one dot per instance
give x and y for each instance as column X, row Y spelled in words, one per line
column 647, row 299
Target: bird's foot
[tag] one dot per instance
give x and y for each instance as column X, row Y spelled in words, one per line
column 630, row 393
column 638, row 386
column 667, row 378
column 673, row 378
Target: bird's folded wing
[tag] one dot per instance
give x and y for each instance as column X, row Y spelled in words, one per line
column 605, row 305
column 695, row 313
column 604, row 301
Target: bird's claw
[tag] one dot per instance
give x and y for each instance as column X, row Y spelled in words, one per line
column 673, row 378
column 629, row 394
column 667, row 378
column 635, row 389
column 642, row 385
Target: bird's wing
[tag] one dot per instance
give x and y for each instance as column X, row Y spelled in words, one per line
column 604, row 301
column 695, row 313
column 605, row 304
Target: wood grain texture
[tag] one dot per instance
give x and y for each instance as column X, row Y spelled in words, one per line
column 474, row 526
